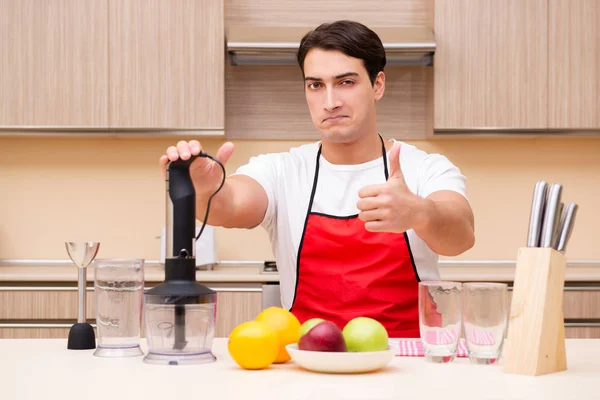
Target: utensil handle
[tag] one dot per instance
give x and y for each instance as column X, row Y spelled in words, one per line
column 81, row 287
column 551, row 216
column 538, row 207
column 557, row 225
column 566, row 227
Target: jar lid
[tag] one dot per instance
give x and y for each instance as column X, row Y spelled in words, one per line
column 180, row 292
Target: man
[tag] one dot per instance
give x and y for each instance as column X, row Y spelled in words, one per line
column 355, row 221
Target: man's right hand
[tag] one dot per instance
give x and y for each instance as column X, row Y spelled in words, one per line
column 241, row 203
column 205, row 173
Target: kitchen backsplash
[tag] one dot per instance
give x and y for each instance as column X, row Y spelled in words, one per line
column 111, row 190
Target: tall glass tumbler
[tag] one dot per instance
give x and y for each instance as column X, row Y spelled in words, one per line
column 119, row 293
column 440, row 319
column 485, row 319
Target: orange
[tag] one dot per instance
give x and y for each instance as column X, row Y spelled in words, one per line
column 253, row 345
column 287, row 326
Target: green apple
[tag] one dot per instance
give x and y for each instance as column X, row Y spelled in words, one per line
column 308, row 325
column 365, row 334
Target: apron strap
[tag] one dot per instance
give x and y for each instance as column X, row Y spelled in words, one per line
column 385, row 166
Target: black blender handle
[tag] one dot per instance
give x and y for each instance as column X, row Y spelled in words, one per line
column 183, row 178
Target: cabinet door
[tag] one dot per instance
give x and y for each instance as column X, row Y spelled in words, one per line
column 233, row 308
column 582, row 332
column 167, row 64
column 582, row 304
column 34, row 304
column 490, row 64
column 574, row 64
column 577, row 304
column 53, row 64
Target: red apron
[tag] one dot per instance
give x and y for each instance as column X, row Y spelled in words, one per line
column 344, row 271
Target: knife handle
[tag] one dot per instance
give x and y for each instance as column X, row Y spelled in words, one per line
column 551, row 215
column 536, row 217
column 557, row 226
column 566, row 227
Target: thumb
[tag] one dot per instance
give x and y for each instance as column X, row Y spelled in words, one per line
column 224, row 152
column 204, row 165
column 395, row 170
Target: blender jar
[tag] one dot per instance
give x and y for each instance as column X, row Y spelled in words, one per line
column 179, row 329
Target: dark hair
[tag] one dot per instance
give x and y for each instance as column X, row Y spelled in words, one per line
column 351, row 38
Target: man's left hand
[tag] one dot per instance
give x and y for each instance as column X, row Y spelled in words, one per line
column 391, row 206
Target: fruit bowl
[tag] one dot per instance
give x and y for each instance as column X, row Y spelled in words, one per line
column 340, row 362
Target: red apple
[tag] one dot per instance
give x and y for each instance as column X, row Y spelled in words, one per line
column 325, row 336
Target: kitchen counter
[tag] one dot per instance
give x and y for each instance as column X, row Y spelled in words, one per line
column 44, row 368
column 250, row 271
column 153, row 272
column 504, row 270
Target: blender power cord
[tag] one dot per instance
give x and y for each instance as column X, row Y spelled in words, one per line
column 203, row 154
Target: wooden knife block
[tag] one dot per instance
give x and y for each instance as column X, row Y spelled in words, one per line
column 535, row 344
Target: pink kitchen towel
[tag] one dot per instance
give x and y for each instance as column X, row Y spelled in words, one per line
column 480, row 337
column 441, row 336
column 414, row 347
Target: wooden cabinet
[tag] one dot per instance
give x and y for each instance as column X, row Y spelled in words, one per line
column 582, row 332
column 36, row 304
column 582, row 304
column 517, row 65
column 233, row 308
column 579, row 304
column 490, row 67
column 583, row 307
column 49, row 312
column 167, row 64
column 115, row 64
column 54, row 64
column 33, row 312
column 574, row 64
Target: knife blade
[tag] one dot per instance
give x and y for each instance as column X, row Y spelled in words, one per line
column 536, row 216
column 551, row 215
column 566, row 228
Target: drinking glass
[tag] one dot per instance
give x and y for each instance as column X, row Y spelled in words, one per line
column 440, row 319
column 119, row 290
column 485, row 319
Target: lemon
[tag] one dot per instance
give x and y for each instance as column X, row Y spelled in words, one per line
column 285, row 324
column 253, row 345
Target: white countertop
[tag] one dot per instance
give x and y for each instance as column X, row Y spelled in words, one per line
column 250, row 271
column 45, row 369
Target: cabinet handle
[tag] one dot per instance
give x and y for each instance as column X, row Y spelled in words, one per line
column 590, row 324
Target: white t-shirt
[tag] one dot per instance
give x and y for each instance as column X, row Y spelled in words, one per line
column 287, row 178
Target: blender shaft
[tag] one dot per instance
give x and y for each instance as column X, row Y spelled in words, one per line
column 81, row 288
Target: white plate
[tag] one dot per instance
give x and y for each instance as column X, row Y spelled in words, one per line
column 340, row 362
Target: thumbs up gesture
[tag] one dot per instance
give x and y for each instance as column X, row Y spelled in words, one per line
column 391, row 206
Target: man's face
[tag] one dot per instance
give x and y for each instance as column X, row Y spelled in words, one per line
column 340, row 96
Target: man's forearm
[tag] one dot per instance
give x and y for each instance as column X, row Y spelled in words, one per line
column 447, row 229
column 241, row 203
column 221, row 207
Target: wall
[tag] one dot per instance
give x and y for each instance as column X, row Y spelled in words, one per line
column 111, row 190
